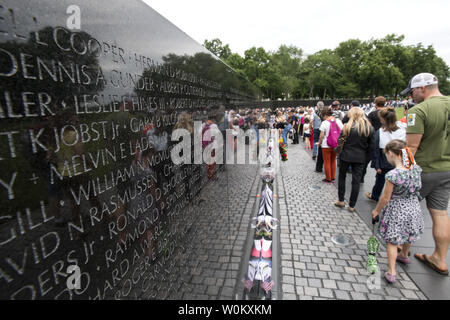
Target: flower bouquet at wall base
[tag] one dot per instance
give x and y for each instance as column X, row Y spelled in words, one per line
column 283, row 150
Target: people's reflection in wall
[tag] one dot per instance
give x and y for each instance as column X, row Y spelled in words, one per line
column 122, row 137
column 185, row 122
column 208, row 139
column 59, row 190
column 223, row 124
column 158, row 140
column 41, row 159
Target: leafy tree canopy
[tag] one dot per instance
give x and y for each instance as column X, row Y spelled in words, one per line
column 354, row 68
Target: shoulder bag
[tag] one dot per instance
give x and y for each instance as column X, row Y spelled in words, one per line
column 341, row 142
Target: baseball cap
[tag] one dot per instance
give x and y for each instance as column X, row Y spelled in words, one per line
column 420, row 80
column 335, row 103
column 356, row 103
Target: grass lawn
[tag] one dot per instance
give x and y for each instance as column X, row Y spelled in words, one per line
column 399, row 112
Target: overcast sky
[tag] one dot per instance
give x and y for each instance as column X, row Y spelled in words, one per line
column 311, row 25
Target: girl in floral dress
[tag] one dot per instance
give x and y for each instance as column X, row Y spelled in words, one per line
column 401, row 217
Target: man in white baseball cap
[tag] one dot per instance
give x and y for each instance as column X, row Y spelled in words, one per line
column 428, row 138
column 421, row 80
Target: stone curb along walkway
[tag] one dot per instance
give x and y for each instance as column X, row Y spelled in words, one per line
column 313, row 267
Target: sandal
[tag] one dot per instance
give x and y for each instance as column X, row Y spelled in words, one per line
column 403, row 260
column 340, row 204
column 390, row 278
column 423, row 258
column 369, row 196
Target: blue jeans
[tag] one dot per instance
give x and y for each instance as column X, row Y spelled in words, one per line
column 257, row 133
column 316, row 139
column 285, row 133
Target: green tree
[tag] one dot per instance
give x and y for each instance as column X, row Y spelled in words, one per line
column 321, row 73
column 424, row 59
column 261, row 70
column 288, row 61
column 354, row 68
column 216, row 46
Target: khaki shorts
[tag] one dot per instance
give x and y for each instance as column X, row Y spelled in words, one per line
column 436, row 189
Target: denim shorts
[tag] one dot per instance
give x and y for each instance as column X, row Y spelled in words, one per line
column 436, row 189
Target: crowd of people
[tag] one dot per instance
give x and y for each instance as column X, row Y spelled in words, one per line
column 411, row 157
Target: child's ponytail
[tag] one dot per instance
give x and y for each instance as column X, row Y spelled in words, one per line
column 399, row 148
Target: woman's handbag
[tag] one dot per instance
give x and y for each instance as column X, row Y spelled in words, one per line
column 340, row 146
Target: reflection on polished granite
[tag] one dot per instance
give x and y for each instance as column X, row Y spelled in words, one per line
column 90, row 95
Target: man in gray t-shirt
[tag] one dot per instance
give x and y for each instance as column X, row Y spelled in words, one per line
column 317, row 150
column 337, row 113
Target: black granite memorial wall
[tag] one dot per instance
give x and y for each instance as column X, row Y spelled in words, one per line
column 92, row 206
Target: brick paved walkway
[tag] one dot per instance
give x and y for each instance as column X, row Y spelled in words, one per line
column 312, row 267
